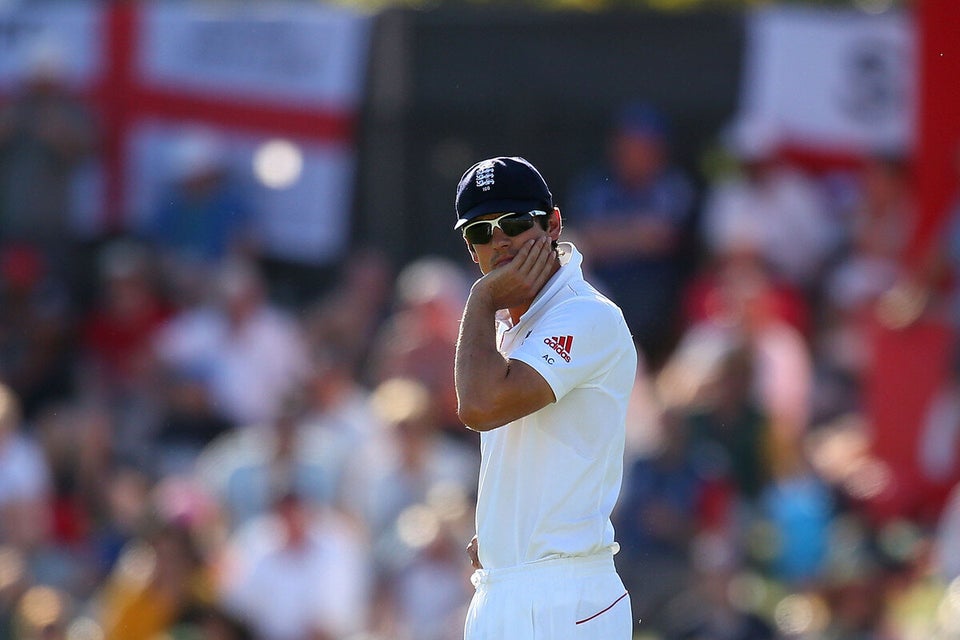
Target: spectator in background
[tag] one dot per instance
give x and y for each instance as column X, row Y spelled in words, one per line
column 243, row 469
column 411, row 485
column 42, row 613
column 350, row 315
column 419, row 339
column 946, row 541
column 250, row 352
column 729, row 430
column 217, row 624
column 161, row 580
column 771, row 205
column 707, row 610
column 78, row 447
column 45, row 135
column 424, row 593
column 203, row 215
column 187, row 420
column 336, row 400
column 338, row 416
column 298, row 573
column 656, row 518
column 799, row 507
column 746, row 313
column 412, row 456
column 871, row 262
column 37, row 340
column 25, row 481
column 633, row 221
column 120, row 325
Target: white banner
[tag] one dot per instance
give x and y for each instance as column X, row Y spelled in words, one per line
column 831, row 78
column 301, row 204
column 306, row 54
column 66, row 36
column 305, row 58
column 248, row 75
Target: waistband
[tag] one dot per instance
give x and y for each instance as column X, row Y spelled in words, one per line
column 555, row 567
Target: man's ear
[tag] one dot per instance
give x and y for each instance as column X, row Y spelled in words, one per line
column 555, row 224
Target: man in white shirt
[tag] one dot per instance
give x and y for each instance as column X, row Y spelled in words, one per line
column 544, row 369
column 298, row 572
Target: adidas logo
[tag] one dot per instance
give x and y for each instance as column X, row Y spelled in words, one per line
column 561, row 344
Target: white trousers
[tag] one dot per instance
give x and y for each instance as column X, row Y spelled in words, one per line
column 575, row 598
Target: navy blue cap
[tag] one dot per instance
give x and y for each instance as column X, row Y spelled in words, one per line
column 499, row 185
column 642, row 119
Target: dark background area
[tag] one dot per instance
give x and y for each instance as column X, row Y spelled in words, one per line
column 452, row 86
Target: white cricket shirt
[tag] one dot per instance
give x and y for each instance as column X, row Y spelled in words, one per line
column 549, row 481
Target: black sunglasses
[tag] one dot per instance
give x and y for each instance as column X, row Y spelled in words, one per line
column 512, row 224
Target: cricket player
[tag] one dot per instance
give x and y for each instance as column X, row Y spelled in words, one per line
column 544, row 368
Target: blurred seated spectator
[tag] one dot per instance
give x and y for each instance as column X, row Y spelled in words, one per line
column 46, row 133
column 203, row 215
column 36, row 334
column 120, row 505
column 119, row 328
column 215, row 623
column 250, row 352
column 703, row 298
column 634, row 220
column 798, row 507
column 871, row 262
column 747, row 314
column 707, row 609
column 298, row 573
column 418, row 340
column 338, row 403
column 882, row 218
column 424, row 593
column 411, row 457
column 188, row 419
column 656, row 518
column 242, row 469
column 730, row 433
column 43, row 612
column 25, row 481
column 350, row 315
column 946, row 541
column 72, row 438
column 160, row 580
column 859, row 606
column 771, row 205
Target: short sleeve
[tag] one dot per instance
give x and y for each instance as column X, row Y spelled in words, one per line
column 575, row 343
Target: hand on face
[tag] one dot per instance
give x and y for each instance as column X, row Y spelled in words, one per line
column 515, row 282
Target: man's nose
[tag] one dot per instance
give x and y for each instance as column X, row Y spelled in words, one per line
column 499, row 237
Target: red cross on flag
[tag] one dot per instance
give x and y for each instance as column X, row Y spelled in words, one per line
column 277, row 85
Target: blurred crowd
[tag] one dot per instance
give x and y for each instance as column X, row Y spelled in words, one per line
column 183, row 457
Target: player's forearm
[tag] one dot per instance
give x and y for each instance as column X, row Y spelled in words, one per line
column 478, row 368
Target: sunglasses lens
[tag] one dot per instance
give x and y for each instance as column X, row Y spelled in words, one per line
column 512, row 225
column 480, row 233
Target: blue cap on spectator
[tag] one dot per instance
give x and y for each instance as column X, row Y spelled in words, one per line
column 642, row 119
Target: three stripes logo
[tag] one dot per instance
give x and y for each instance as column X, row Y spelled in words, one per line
column 561, row 344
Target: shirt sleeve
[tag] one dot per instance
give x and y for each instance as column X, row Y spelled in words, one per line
column 575, row 344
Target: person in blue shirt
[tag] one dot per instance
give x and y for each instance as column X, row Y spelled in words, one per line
column 634, row 218
column 203, row 215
